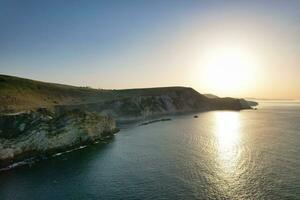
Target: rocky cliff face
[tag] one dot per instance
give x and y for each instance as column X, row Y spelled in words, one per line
column 137, row 105
column 43, row 132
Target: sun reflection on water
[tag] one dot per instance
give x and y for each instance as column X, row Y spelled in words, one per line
column 227, row 133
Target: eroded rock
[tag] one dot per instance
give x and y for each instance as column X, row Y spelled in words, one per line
column 44, row 132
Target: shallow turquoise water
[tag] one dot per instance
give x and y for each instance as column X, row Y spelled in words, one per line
column 252, row 154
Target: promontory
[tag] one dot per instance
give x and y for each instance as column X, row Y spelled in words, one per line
column 39, row 118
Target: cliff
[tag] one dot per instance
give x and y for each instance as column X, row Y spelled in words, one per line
column 38, row 118
column 43, row 132
column 18, row 95
column 137, row 104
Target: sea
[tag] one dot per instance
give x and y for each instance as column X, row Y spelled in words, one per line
column 248, row 154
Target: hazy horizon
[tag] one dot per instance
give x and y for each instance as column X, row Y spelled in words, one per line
column 226, row 48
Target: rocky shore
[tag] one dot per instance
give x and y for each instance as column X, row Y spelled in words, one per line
column 43, row 132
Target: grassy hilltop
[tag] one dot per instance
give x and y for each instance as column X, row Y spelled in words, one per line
column 19, row 93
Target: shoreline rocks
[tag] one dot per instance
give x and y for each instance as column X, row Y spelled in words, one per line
column 42, row 132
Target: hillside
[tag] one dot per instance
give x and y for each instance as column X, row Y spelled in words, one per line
column 19, row 94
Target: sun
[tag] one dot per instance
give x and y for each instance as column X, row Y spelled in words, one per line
column 228, row 70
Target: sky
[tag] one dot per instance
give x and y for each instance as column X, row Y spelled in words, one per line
column 228, row 48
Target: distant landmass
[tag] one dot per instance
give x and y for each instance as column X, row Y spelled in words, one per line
column 39, row 118
column 243, row 101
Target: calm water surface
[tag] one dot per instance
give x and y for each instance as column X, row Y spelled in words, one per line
column 253, row 154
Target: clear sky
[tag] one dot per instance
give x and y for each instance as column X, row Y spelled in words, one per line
column 229, row 48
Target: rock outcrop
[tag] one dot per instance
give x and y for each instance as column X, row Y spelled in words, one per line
column 43, row 132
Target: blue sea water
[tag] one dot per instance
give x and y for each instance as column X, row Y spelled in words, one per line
column 251, row 154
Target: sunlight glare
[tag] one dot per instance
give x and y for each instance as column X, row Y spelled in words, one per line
column 228, row 69
column 227, row 138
